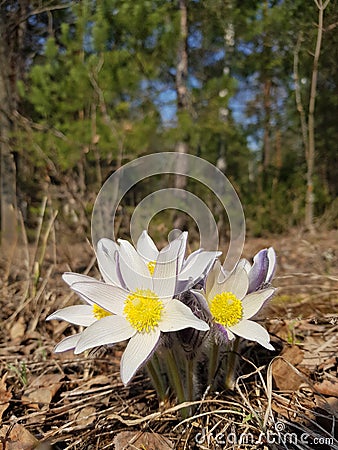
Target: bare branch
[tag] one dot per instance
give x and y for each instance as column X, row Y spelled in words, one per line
column 298, row 96
column 310, row 159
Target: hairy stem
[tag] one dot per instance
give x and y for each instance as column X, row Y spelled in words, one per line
column 156, row 377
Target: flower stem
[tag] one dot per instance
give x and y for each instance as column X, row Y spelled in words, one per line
column 156, row 377
column 231, row 364
column 176, row 380
column 189, row 371
column 213, row 364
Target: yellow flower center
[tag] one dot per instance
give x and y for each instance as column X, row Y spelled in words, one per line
column 143, row 310
column 151, row 267
column 99, row 312
column 226, row 309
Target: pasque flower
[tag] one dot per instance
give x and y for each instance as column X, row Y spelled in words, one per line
column 190, row 270
column 135, row 305
column 232, row 307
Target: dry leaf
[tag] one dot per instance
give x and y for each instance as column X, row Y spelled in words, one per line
column 139, row 440
column 5, row 396
column 328, row 413
column 41, row 391
column 284, row 377
column 16, row 438
column 17, row 331
column 85, row 416
column 328, row 364
column 327, row 387
column 329, row 404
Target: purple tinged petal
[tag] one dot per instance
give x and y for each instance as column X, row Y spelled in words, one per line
column 183, row 285
column 200, row 296
column 222, row 334
column 259, row 270
column 197, row 267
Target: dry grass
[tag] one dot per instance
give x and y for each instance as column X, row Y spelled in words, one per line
column 80, row 403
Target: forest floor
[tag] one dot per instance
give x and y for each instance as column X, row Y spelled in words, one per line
column 287, row 399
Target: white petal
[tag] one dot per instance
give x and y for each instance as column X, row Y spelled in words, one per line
column 231, row 335
column 245, row 264
column 71, row 277
column 77, row 314
column 183, row 239
column 107, row 296
column 68, row 343
column 134, row 270
column 211, row 281
column 201, row 297
column 253, row 332
column 237, row 283
column 108, row 330
column 272, row 264
column 252, row 303
column 171, row 252
column 198, row 266
column 164, row 279
column 177, row 316
column 146, row 248
column 165, row 273
column 191, row 258
column 106, row 257
column 137, row 352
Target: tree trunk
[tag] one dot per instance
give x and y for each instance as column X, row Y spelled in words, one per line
column 310, row 158
column 182, row 99
column 13, row 36
column 267, row 125
column 7, row 172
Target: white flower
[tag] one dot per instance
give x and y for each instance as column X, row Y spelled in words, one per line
column 189, row 271
column 231, row 306
column 140, row 312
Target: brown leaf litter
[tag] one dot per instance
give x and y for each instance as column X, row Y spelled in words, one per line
column 68, row 402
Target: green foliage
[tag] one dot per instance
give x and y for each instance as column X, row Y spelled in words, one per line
column 97, row 90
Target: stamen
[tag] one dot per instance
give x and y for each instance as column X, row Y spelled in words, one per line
column 143, row 310
column 226, row 309
column 99, row 312
column 151, row 267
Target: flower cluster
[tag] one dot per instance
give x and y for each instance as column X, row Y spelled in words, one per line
column 154, row 299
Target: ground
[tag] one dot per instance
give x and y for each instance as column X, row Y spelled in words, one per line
column 78, row 402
